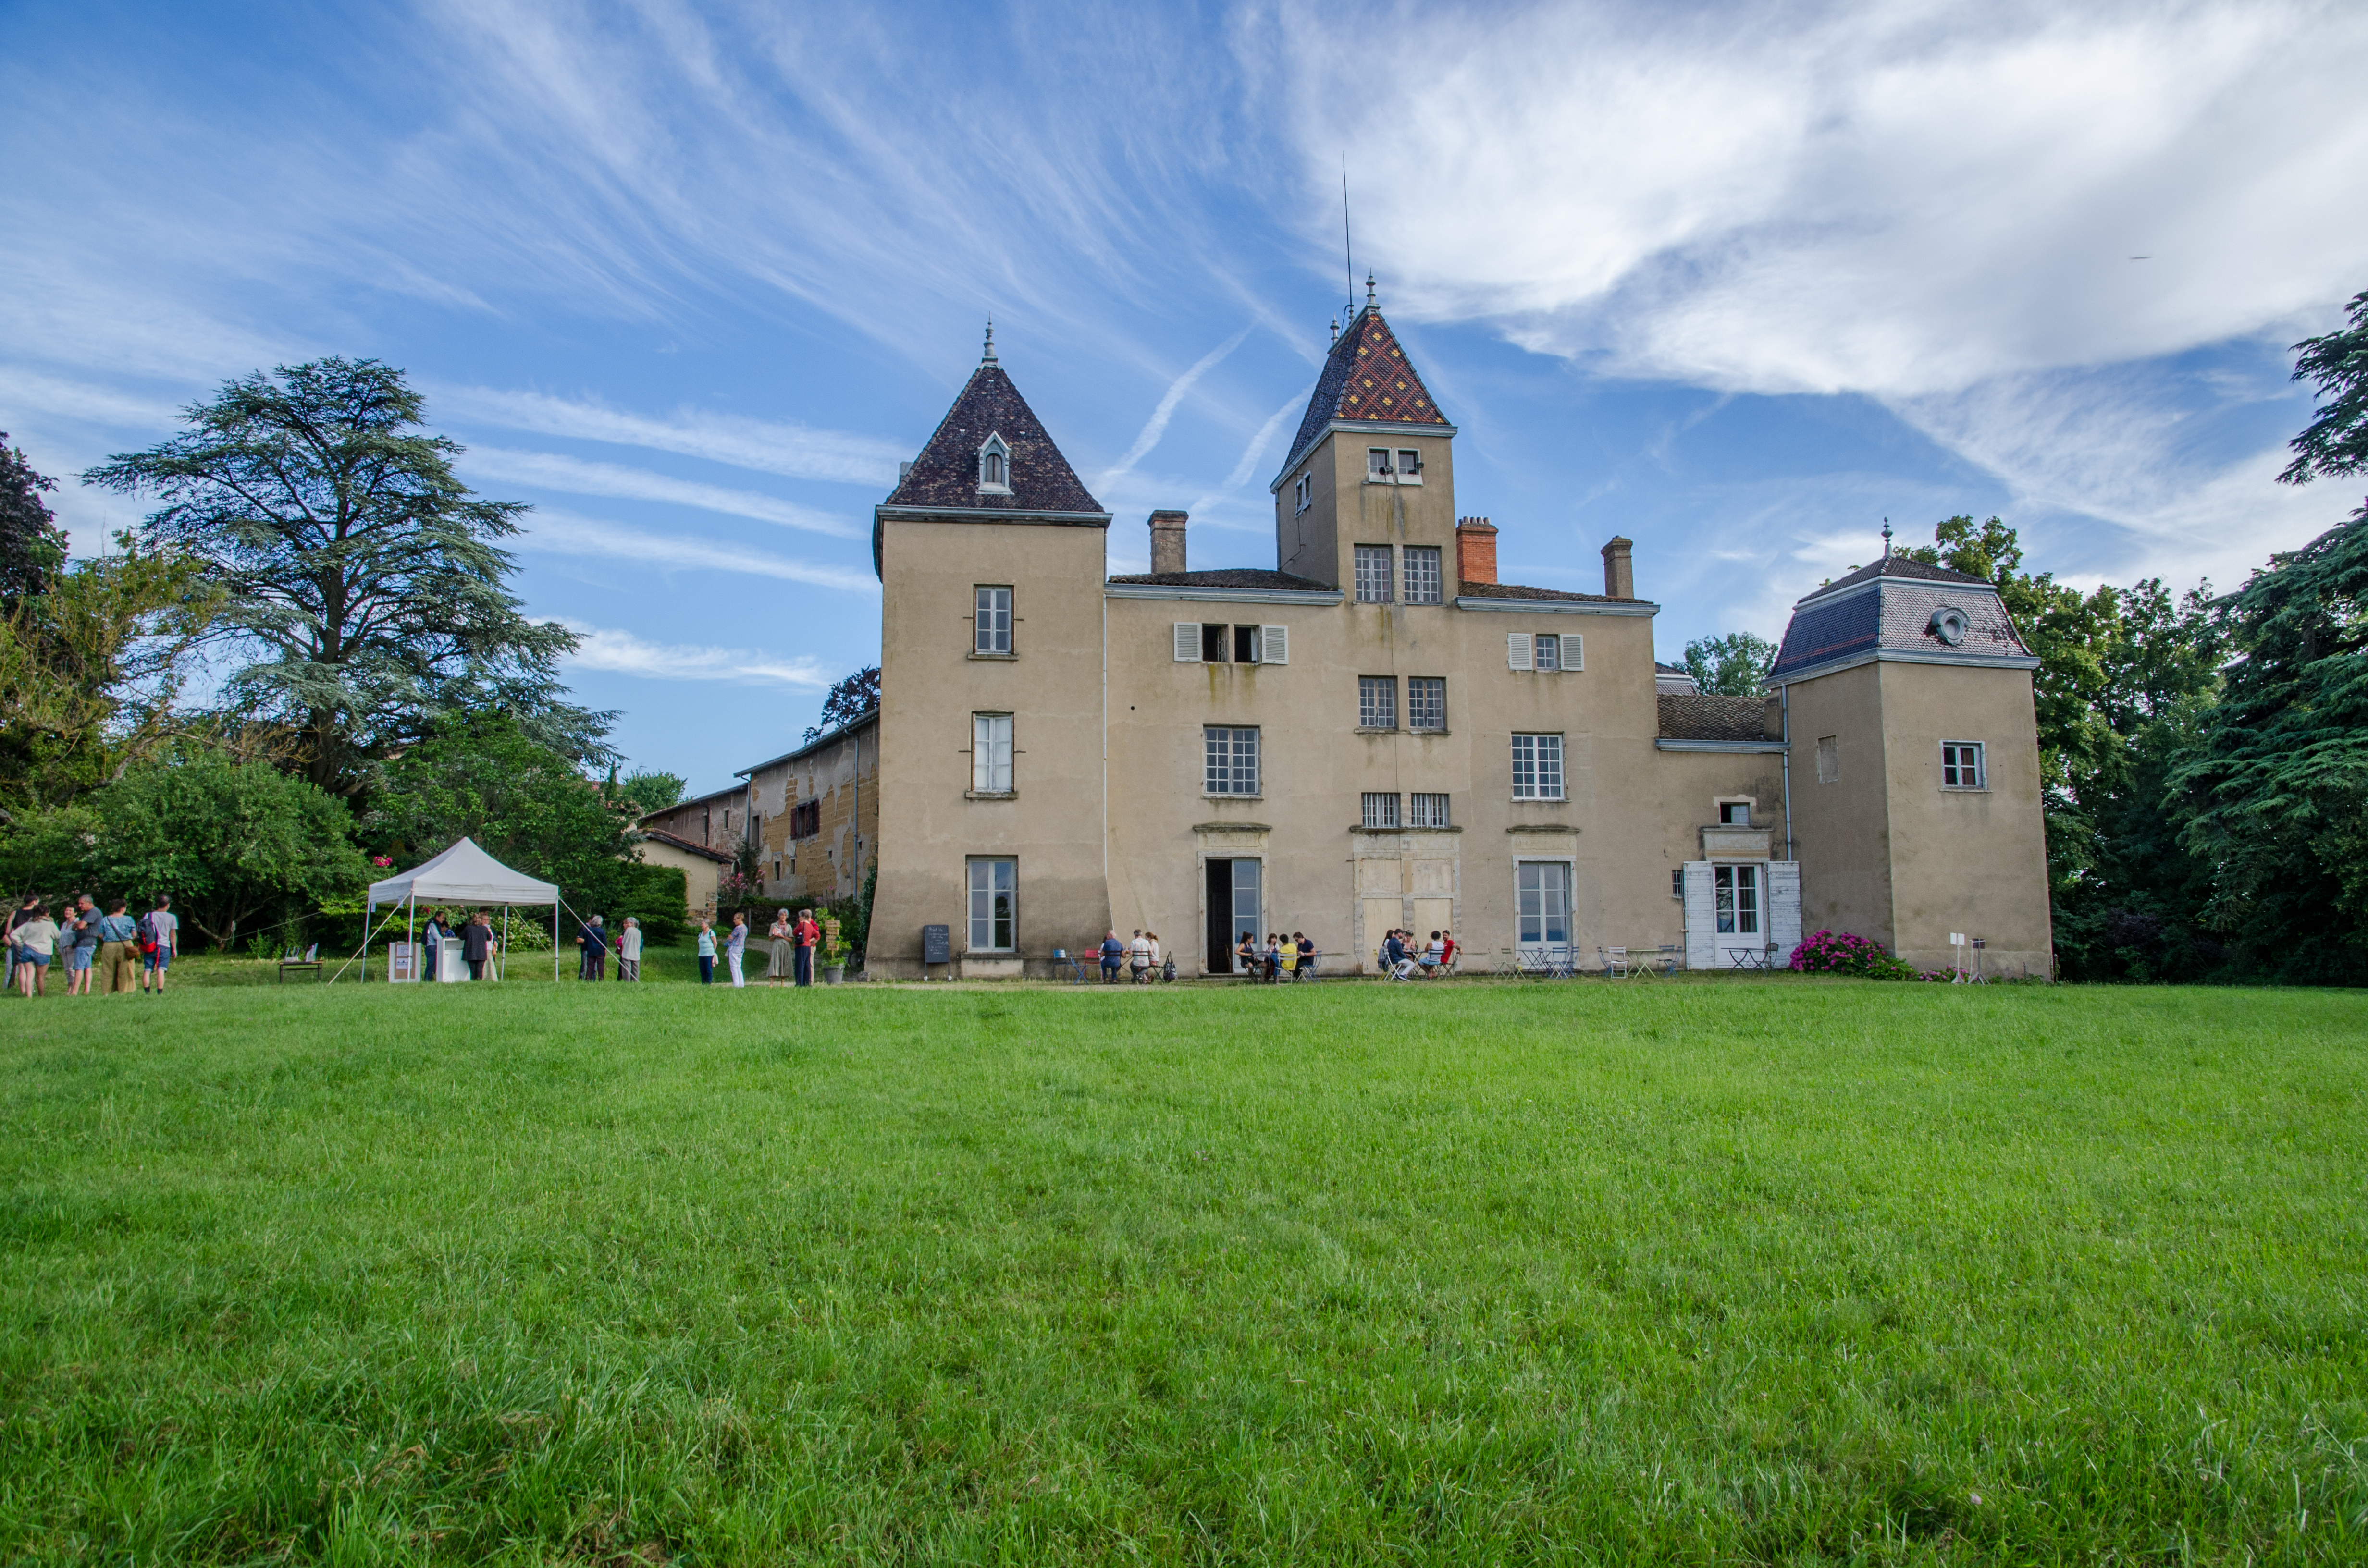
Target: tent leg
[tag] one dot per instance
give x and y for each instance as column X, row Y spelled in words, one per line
column 410, row 942
column 502, row 957
column 554, row 938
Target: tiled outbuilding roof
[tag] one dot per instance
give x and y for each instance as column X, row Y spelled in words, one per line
column 1713, row 718
column 678, row 842
column 1368, row 379
column 1227, row 578
column 1516, row 591
column 946, row 471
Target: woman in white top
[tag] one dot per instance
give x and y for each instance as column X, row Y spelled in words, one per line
column 737, row 947
column 628, row 951
column 37, row 944
column 780, row 958
column 1138, row 957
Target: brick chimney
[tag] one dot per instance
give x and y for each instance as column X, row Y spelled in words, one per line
column 1167, row 540
column 1475, row 550
column 1618, row 571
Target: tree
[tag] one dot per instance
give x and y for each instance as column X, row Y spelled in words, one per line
column 1735, row 664
column 849, row 700
column 2335, row 442
column 32, row 551
column 234, row 843
column 364, row 580
column 643, row 792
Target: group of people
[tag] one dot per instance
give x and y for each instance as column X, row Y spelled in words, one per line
column 596, row 940
column 789, row 956
column 1140, row 957
column 1283, row 958
column 476, row 940
column 1404, row 959
column 110, row 952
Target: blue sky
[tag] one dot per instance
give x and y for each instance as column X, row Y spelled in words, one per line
column 1737, row 282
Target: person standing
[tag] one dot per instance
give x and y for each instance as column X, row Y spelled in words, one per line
column 809, row 937
column 118, row 950
column 593, row 940
column 735, row 947
column 477, row 943
column 160, row 934
column 780, row 957
column 706, row 952
column 80, row 939
column 37, row 943
column 30, row 907
column 629, row 951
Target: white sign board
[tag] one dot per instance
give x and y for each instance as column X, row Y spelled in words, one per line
column 402, row 962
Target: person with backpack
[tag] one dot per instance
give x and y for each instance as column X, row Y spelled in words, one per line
column 160, row 933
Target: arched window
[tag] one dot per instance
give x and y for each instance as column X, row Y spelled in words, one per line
column 994, row 467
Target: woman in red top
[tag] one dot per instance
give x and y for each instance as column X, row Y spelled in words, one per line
column 809, row 936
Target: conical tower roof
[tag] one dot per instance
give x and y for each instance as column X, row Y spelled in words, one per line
column 947, row 476
column 1367, row 380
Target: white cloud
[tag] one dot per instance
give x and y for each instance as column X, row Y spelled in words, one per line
column 604, row 648
column 551, row 471
column 1157, row 425
column 561, row 533
column 762, row 446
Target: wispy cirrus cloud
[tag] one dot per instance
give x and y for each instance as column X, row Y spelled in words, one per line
column 1157, row 425
column 562, row 533
column 624, row 653
column 795, row 451
column 550, row 471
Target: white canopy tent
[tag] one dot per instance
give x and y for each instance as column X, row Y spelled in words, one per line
column 464, row 874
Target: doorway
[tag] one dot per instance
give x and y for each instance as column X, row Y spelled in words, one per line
column 1233, row 900
column 1542, row 909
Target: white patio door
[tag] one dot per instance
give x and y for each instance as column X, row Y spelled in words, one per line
column 1541, row 906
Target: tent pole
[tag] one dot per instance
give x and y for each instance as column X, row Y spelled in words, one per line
column 410, row 914
column 504, row 954
column 554, row 936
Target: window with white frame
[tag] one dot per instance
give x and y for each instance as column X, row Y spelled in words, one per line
column 1429, row 810
column 1422, row 581
column 994, row 467
column 1377, row 702
column 1373, row 573
column 993, row 905
column 1829, row 759
column 1544, row 651
column 1381, row 809
column 991, row 620
column 1425, row 702
column 1549, row 652
column 1409, row 466
column 1960, row 766
column 1737, row 898
column 1537, row 768
column 1377, row 463
column 1302, row 494
column 1735, row 813
column 990, row 754
column 1231, row 754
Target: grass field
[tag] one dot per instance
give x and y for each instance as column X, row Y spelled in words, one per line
column 1742, row 1272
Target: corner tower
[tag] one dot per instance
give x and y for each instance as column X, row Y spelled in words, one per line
column 1372, row 464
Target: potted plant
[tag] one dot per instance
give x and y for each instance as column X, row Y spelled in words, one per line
column 832, row 957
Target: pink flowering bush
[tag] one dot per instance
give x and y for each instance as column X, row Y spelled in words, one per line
column 1840, row 952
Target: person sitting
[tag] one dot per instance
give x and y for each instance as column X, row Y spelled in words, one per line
column 1245, row 956
column 1272, row 957
column 1446, row 952
column 1138, row 959
column 1306, row 967
column 1433, row 954
column 1113, row 955
column 1162, row 968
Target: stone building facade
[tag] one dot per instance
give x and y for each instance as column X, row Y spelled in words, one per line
column 816, row 811
column 1379, row 732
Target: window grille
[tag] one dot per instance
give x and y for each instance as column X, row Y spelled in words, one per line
column 991, row 623
column 1549, row 651
column 1426, row 702
column 1232, row 759
column 990, row 754
column 1377, row 462
column 1537, row 768
column 1377, row 702
column 1422, row 584
column 1373, row 573
column 1381, row 809
column 993, row 905
column 1409, row 466
column 1961, row 765
column 1429, row 810
column 1738, row 890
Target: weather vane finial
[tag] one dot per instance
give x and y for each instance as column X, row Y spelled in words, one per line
column 1886, row 538
column 989, row 358
column 1369, row 291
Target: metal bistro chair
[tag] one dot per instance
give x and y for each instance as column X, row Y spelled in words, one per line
column 1063, row 959
column 1616, row 964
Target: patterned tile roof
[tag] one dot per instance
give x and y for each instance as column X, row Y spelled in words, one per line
column 1713, row 718
column 1368, row 378
column 1227, row 578
column 946, row 473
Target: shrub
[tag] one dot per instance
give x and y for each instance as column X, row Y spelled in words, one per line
column 1840, row 952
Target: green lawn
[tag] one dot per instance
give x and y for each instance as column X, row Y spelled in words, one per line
column 1730, row 1272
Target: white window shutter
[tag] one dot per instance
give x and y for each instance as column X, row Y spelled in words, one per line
column 1574, row 651
column 1274, row 644
column 1784, row 907
column 1517, row 651
column 1701, row 916
column 1187, row 642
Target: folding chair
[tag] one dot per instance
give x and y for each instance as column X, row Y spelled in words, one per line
column 1615, row 964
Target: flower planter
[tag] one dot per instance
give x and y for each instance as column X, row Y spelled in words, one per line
column 831, row 973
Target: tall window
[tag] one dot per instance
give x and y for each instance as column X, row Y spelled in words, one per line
column 1425, row 702
column 1961, row 765
column 990, row 752
column 1429, row 810
column 1377, row 462
column 1232, row 759
column 1377, row 702
column 1381, row 809
column 994, row 900
column 1537, row 768
column 1737, row 888
column 1542, row 909
column 991, row 621
column 1302, row 494
column 1373, row 573
column 1422, row 574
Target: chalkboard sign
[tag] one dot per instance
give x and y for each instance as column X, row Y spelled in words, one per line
column 937, row 944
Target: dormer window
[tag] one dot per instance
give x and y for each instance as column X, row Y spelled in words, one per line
column 994, row 467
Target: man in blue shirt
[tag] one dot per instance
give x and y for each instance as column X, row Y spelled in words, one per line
column 593, row 940
column 1113, row 954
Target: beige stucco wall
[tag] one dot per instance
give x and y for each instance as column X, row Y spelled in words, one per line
column 699, row 873
column 931, row 684
column 1841, row 830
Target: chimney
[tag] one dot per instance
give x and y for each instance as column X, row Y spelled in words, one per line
column 1475, row 550
column 1167, row 540
column 1619, row 572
